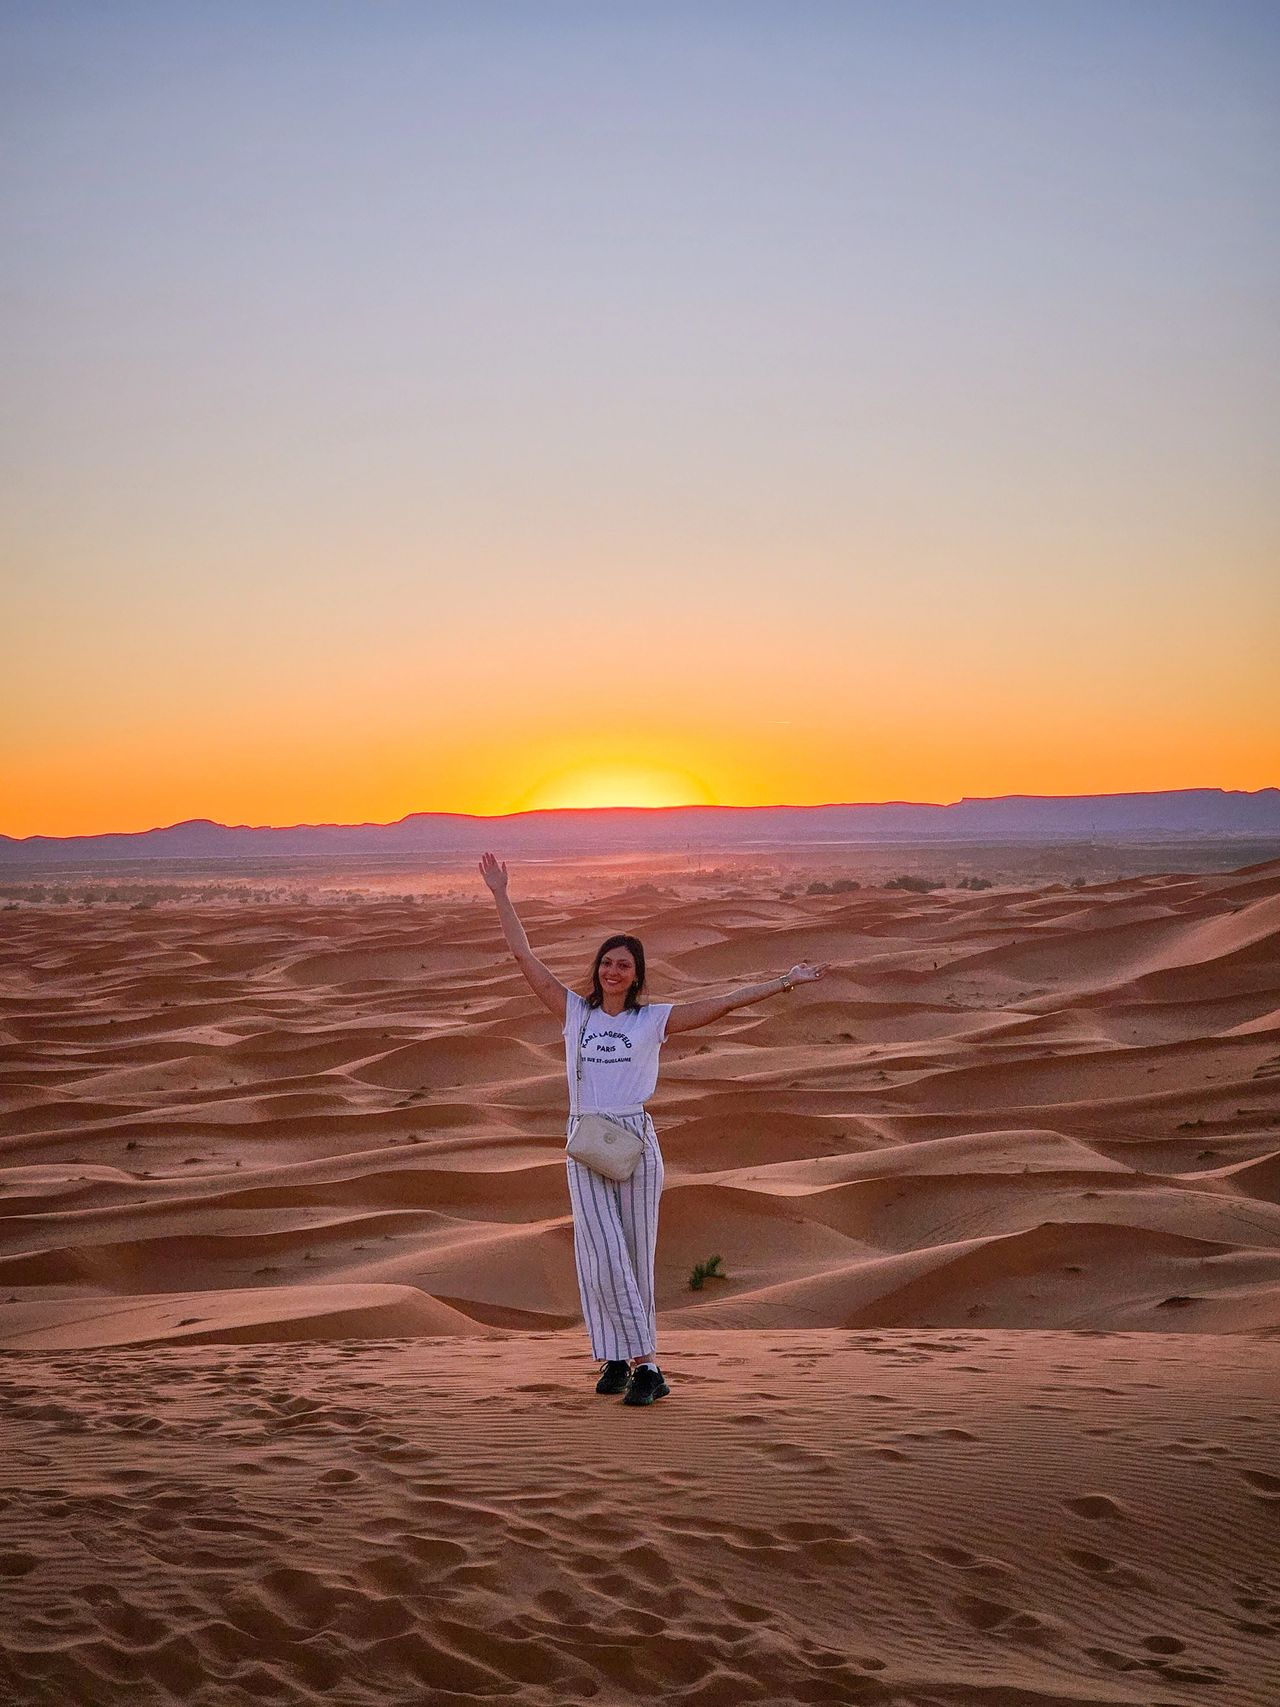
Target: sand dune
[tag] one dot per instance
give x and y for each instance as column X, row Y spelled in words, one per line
column 243, row 1316
column 981, row 1412
column 257, row 1111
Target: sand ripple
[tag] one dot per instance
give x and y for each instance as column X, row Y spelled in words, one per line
column 1052, row 1107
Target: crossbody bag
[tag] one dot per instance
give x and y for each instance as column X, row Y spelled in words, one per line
column 605, row 1145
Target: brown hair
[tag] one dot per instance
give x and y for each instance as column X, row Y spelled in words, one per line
column 635, row 948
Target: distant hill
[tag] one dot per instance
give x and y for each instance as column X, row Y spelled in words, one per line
column 1180, row 813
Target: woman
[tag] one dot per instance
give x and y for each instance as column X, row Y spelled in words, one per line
column 615, row 1222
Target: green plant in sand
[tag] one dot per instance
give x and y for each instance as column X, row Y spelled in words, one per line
column 709, row 1270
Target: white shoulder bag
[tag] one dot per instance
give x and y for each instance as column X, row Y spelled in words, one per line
column 596, row 1141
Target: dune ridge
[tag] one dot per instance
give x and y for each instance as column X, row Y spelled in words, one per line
column 233, row 1098
column 982, row 1413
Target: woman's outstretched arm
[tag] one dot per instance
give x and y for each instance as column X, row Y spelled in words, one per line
column 543, row 982
column 686, row 1015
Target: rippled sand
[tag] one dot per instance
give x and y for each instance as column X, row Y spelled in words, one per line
column 983, row 1412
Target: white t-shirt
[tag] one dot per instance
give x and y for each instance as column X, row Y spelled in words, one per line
column 619, row 1052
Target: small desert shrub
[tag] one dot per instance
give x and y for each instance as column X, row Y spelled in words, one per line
column 917, row 885
column 709, row 1270
column 975, row 883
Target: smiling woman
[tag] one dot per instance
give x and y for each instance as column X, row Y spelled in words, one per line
column 612, row 1039
column 617, row 785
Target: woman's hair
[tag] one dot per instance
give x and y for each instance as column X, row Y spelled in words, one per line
column 636, row 949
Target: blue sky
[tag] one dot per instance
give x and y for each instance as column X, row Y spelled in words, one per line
column 890, row 373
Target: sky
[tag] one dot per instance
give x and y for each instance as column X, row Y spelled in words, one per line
column 493, row 406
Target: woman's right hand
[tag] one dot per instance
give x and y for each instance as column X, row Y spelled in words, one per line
column 494, row 872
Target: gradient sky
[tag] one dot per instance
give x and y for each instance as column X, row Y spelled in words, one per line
column 474, row 407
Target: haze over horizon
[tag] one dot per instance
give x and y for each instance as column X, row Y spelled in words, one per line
column 482, row 409
column 1211, row 816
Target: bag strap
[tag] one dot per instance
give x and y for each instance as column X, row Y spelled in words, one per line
column 576, row 1078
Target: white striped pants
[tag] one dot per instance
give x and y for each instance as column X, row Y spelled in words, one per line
column 615, row 1235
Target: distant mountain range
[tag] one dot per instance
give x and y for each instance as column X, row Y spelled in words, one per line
column 1174, row 813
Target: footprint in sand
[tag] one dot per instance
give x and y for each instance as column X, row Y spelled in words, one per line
column 647, row 1564
column 1095, row 1506
column 434, row 1553
column 562, row 1607
column 1164, row 1644
column 940, row 1434
column 795, row 1457
column 1156, row 1661
column 1112, row 1571
column 1266, row 1487
column 960, row 1559
column 983, row 1614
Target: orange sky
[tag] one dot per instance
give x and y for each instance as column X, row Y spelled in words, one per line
column 105, row 783
column 370, row 762
column 916, row 664
column 485, row 411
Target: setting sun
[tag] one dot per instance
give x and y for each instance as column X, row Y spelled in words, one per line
column 617, row 785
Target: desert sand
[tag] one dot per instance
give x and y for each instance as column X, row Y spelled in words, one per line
column 299, row 1402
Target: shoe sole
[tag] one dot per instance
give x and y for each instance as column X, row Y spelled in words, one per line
column 611, row 1391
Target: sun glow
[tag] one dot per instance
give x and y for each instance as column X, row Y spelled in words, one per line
column 617, row 785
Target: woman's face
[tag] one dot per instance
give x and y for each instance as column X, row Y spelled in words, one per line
column 617, row 971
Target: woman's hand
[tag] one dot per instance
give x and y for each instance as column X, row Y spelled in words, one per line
column 494, row 872
column 805, row 973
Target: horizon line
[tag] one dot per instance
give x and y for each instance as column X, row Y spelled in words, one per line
column 687, row 806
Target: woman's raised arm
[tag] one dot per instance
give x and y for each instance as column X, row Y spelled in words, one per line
column 543, row 982
column 685, row 1016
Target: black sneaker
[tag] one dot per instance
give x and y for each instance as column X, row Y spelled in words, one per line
column 613, row 1377
column 646, row 1385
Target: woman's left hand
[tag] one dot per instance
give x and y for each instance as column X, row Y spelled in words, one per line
column 805, row 972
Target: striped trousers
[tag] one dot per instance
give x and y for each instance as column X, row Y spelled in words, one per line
column 615, row 1236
